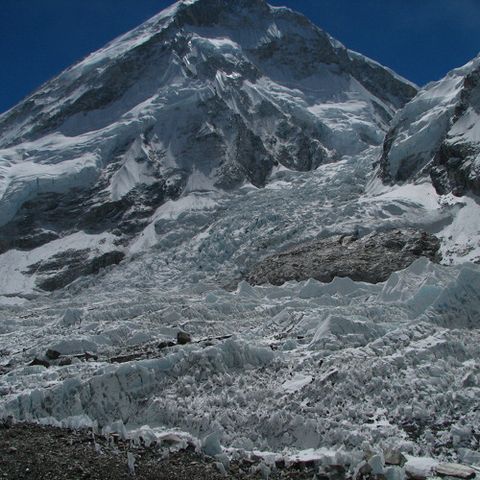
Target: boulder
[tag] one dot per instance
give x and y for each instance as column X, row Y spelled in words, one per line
column 52, row 354
column 64, row 362
column 39, row 361
column 183, row 338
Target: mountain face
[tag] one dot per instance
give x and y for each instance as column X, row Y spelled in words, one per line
column 438, row 135
column 206, row 96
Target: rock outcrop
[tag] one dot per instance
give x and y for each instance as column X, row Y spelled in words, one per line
column 371, row 258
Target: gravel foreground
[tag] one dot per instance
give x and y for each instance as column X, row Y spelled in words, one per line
column 30, row 451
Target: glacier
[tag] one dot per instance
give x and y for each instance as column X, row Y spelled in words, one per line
column 303, row 370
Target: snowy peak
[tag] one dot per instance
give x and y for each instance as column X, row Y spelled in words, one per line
column 207, row 96
column 437, row 134
column 276, row 36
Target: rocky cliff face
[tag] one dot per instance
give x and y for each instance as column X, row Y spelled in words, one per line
column 206, row 96
column 437, row 135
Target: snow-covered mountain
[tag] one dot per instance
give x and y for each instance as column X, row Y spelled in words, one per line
column 438, row 134
column 220, row 146
column 208, row 95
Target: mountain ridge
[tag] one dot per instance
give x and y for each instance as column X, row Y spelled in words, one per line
column 435, row 135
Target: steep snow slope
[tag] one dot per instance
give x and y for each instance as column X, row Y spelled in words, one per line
column 206, row 96
column 438, row 134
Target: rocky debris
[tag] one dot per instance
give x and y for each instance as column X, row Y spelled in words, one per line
column 153, row 349
column 372, row 258
column 48, row 453
column 332, row 472
column 454, row 470
column 43, row 452
column 84, row 357
column 88, row 356
column 126, row 358
column 183, row 338
column 132, row 355
column 54, row 358
column 62, row 269
column 6, row 422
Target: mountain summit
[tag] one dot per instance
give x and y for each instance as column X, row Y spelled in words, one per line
column 206, row 96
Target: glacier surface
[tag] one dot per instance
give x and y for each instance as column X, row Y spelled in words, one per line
column 304, row 370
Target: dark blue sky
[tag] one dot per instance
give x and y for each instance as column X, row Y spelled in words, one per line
column 420, row 39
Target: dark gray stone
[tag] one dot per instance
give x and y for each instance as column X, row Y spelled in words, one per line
column 163, row 345
column 52, row 354
column 39, row 361
column 183, row 338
